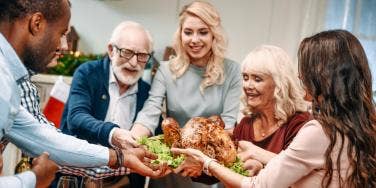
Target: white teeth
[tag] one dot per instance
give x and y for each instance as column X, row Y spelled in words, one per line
column 196, row 48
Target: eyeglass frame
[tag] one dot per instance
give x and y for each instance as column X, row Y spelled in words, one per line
column 120, row 50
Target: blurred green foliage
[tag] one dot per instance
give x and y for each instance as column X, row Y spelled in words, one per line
column 69, row 62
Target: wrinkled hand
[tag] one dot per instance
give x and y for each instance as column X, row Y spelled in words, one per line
column 138, row 160
column 44, row 170
column 123, row 139
column 253, row 166
column 193, row 163
column 245, row 150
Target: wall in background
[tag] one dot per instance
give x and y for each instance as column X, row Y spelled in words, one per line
column 248, row 23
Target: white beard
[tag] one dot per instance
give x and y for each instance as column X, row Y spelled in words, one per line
column 128, row 79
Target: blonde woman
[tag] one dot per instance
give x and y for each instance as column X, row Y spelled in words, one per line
column 274, row 103
column 199, row 81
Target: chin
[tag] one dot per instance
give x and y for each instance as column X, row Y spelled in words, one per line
column 130, row 80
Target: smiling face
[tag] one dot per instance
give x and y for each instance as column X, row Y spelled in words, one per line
column 128, row 71
column 47, row 41
column 258, row 89
column 197, row 39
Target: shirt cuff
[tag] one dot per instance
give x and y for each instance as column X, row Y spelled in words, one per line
column 27, row 178
column 110, row 137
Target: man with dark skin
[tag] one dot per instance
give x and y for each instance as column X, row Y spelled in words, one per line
column 32, row 32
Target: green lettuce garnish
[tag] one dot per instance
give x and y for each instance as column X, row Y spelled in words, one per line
column 237, row 167
column 156, row 146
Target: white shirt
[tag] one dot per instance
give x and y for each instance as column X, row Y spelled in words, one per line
column 122, row 108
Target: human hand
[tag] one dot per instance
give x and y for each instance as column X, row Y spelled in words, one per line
column 193, row 163
column 44, row 170
column 123, row 139
column 245, row 150
column 253, row 166
column 138, row 160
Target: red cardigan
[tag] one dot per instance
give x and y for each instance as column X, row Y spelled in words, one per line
column 277, row 141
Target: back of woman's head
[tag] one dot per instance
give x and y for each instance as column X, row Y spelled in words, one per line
column 210, row 16
column 335, row 71
column 288, row 93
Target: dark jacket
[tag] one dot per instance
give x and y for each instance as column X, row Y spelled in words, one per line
column 88, row 102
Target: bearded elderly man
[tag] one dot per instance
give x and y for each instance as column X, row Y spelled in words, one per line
column 106, row 94
column 31, row 35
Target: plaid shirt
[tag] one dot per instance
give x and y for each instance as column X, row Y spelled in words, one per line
column 30, row 100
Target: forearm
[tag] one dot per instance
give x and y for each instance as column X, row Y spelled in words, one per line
column 139, row 130
column 262, row 155
column 34, row 139
column 225, row 175
column 88, row 128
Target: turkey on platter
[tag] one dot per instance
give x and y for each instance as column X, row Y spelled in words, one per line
column 205, row 134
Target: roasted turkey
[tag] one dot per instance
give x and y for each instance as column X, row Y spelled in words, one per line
column 205, row 134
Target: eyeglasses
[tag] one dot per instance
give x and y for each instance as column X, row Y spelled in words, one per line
column 128, row 54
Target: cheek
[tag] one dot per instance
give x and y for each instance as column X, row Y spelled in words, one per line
column 208, row 40
column 185, row 40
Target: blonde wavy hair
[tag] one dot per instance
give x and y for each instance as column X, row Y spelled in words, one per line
column 288, row 92
column 214, row 73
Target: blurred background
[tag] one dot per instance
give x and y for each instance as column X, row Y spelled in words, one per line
column 248, row 23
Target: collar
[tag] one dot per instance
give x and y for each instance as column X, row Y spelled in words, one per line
column 12, row 61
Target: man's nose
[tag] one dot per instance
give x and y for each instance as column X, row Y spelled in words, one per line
column 133, row 61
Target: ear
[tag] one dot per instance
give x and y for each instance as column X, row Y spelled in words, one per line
column 110, row 51
column 37, row 23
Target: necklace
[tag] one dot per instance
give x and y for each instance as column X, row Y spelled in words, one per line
column 264, row 133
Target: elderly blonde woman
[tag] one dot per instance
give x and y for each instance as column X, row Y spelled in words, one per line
column 274, row 103
column 199, row 81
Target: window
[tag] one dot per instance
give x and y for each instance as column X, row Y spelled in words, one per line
column 358, row 17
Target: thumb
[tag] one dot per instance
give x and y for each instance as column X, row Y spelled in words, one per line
column 133, row 142
column 179, row 151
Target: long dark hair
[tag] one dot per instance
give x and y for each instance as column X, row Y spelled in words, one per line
column 334, row 68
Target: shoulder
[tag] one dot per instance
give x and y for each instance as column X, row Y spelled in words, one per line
column 231, row 66
column 232, row 70
column 164, row 66
column 312, row 137
column 245, row 121
column 298, row 120
column 243, row 128
column 90, row 66
column 7, row 82
column 163, row 69
column 96, row 70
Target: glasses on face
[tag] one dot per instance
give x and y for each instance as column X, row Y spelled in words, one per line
column 128, row 54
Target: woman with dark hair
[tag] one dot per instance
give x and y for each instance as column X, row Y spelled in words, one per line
column 338, row 148
column 335, row 71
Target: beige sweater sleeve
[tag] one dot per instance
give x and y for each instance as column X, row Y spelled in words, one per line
column 304, row 155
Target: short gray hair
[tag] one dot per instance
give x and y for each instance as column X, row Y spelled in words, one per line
column 126, row 25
